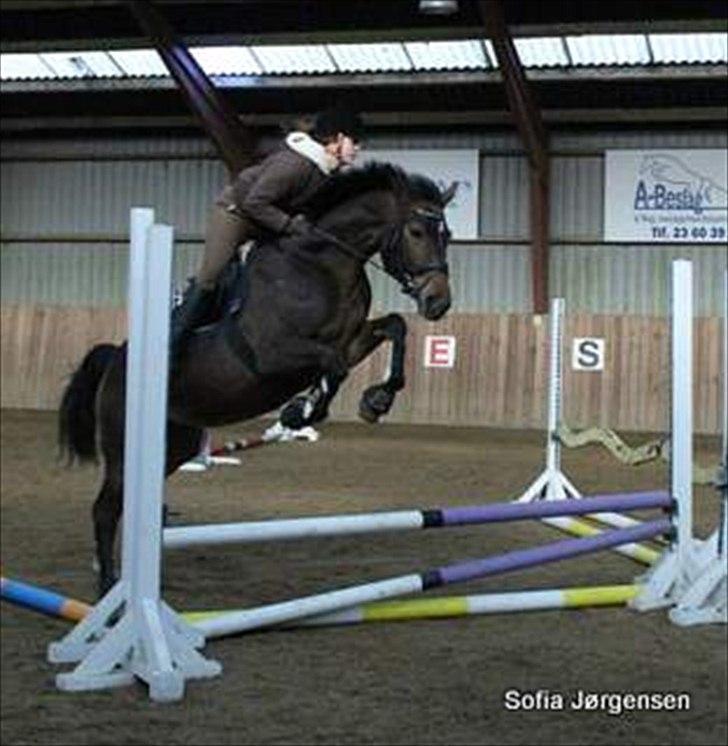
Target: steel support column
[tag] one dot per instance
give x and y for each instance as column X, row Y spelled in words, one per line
column 232, row 140
column 535, row 140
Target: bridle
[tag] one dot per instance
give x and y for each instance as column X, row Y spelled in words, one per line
column 394, row 263
column 393, row 258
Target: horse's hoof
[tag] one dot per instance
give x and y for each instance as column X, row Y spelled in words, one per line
column 375, row 402
column 297, row 414
column 368, row 415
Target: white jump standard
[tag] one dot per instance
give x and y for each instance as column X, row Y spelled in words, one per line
column 552, row 484
column 148, row 640
column 691, row 575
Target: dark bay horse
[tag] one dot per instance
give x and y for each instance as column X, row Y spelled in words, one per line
column 303, row 325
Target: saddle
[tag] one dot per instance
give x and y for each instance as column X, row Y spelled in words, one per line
column 230, row 294
column 232, row 289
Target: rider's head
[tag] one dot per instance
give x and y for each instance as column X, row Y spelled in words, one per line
column 340, row 131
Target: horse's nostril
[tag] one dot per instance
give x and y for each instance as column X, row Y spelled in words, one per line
column 435, row 307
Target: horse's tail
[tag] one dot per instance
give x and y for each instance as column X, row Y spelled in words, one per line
column 77, row 415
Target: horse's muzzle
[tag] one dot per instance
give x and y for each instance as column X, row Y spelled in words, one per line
column 433, row 297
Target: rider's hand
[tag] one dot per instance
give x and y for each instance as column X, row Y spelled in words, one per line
column 298, row 226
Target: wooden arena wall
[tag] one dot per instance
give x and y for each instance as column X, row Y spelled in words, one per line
column 499, row 378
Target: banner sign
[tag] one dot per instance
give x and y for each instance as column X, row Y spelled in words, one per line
column 443, row 167
column 666, row 196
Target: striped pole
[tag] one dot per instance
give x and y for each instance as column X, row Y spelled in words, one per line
column 289, row 611
column 49, row 602
column 42, row 600
column 241, row 444
column 642, row 553
column 297, row 528
column 447, row 607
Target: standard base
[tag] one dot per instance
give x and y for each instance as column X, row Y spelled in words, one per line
column 696, row 589
column 148, row 642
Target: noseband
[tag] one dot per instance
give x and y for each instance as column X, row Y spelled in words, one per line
column 393, row 256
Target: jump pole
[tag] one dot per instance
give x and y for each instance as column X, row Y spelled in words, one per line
column 448, row 607
column 366, row 523
column 290, row 611
column 43, row 600
column 131, row 633
column 552, row 484
column 52, row 604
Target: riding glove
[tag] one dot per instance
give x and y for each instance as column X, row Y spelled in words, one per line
column 298, row 225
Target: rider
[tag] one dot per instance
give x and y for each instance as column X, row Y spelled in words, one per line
column 264, row 200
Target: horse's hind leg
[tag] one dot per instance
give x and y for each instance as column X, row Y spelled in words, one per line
column 313, row 406
column 106, row 514
column 182, row 444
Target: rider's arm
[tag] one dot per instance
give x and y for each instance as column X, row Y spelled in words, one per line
column 280, row 179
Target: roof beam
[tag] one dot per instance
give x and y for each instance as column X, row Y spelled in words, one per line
column 438, row 33
column 218, row 118
column 392, row 119
column 346, row 80
column 535, row 140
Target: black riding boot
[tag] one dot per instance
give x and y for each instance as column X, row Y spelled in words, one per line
column 192, row 312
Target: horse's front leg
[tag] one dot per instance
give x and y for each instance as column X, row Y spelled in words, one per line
column 377, row 400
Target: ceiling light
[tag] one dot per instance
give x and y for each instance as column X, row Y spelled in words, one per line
column 438, row 7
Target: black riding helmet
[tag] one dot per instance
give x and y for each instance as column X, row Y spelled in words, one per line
column 330, row 122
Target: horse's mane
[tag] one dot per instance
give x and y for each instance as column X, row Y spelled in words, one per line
column 373, row 176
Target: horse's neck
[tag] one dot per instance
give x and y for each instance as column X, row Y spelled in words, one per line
column 362, row 224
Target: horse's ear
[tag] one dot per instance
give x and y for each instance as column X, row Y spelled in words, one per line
column 449, row 193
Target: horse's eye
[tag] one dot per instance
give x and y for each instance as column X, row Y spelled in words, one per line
column 416, row 231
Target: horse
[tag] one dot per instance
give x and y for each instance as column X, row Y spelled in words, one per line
column 303, row 324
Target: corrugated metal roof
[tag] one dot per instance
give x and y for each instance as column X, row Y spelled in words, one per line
column 298, row 59
column 542, row 52
column 311, row 59
column 689, row 48
column 608, row 49
column 140, row 63
column 226, row 60
column 359, row 58
column 447, row 55
column 24, row 67
column 82, row 65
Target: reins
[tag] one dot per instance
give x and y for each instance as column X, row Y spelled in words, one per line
column 394, row 265
column 347, row 248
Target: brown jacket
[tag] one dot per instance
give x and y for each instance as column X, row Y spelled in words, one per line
column 269, row 193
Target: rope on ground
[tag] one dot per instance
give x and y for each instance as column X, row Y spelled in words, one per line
column 632, row 456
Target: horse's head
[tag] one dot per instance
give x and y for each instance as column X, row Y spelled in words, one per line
column 381, row 208
column 417, row 255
